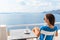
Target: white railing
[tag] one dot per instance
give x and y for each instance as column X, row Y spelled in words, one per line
column 28, row 25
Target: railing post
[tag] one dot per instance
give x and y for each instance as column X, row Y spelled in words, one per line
column 3, row 32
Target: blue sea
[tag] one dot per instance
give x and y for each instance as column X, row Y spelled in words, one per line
column 24, row 18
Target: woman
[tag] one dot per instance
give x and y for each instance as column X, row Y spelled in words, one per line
column 50, row 28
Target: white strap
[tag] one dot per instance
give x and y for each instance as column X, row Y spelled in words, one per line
column 45, row 37
column 47, row 33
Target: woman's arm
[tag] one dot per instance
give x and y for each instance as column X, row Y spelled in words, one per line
column 56, row 34
column 36, row 31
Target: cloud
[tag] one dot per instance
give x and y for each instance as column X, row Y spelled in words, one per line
column 3, row 5
column 28, row 5
column 34, row 6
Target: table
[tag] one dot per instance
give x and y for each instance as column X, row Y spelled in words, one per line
column 20, row 34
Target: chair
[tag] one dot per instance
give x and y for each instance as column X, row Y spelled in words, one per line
column 48, row 33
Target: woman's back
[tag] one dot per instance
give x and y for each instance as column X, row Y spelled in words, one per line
column 47, row 33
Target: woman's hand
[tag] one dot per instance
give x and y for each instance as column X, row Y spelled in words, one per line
column 36, row 31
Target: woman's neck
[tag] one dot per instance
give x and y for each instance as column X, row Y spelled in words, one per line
column 51, row 26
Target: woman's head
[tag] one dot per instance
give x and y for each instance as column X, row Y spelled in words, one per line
column 49, row 19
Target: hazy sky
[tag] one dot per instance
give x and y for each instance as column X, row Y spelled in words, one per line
column 28, row 5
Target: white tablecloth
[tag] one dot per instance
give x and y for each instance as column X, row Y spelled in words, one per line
column 19, row 34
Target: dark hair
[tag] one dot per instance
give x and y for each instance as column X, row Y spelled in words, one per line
column 51, row 18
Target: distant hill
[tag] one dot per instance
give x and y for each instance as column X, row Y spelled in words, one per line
column 53, row 12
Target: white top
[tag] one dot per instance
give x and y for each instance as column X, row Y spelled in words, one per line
column 19, row 34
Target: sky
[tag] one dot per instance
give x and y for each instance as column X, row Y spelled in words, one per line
column 28, row 5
